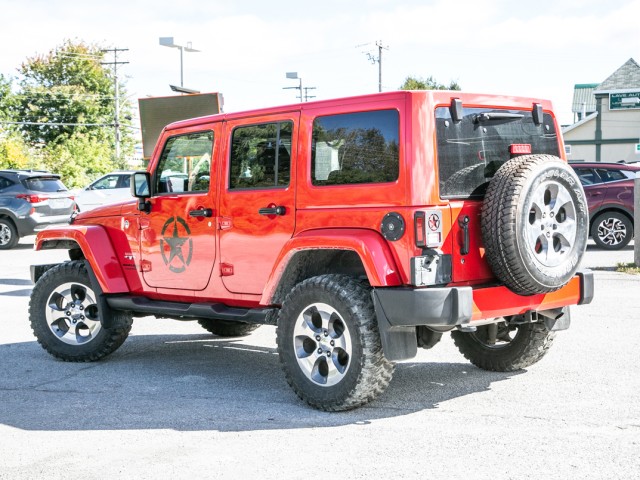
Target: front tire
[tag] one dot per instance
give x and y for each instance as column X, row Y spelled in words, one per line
column 612, row 230
column 65, row 317
column 329, row 344
column 8, row 234
column 503, row 347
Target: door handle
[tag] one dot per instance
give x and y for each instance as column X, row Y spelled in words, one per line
column 203, row 212
column 279, row 210
column 464, row 225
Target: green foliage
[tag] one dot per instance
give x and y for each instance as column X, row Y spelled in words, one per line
column 61, row 115
column 80, row 159
column 419, row 83
column 14, row 153
column 64, row 92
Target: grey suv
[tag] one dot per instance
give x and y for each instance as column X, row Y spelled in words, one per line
column 29, row 201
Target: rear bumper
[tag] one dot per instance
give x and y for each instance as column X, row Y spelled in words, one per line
column 34, row 223
column 400, row 310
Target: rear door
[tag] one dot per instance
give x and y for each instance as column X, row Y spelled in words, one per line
column 257, row 207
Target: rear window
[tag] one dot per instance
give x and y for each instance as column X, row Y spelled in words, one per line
column 44, row 184
column 354, row 148
column 471, row 151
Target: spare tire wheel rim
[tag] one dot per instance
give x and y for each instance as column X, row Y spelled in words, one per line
column 551, row 225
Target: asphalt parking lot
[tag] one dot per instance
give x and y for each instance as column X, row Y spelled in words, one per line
column 176, row 402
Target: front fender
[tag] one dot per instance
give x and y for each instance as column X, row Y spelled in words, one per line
column 375, row 254
column 96, row 248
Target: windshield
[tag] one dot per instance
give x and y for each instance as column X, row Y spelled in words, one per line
column 471, row 151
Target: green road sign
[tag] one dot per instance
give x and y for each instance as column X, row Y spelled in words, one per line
column 623, row 101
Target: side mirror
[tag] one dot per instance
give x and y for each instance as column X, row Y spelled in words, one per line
column 140, row 182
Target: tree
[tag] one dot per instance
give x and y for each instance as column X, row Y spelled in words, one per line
column 69, row 92
column 419, row 83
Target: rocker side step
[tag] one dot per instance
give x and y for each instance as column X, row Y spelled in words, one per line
column 188, row 311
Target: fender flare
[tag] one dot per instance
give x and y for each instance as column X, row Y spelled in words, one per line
column 374, row 252
column 96, row 247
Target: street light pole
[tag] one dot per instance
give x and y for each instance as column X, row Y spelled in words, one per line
column 168, row 42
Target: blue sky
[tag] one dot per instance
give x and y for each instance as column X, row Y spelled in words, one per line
column 538, row 49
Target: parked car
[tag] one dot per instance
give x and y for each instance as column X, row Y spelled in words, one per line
column 609, row 190
column 110, row 188
column 29, row 201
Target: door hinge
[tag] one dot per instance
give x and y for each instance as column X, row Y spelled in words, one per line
column 224, row 223
column 226, row 269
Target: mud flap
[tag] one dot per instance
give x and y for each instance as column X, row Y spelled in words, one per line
column 398, row 343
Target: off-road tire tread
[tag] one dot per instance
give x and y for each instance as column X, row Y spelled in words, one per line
column 227, row 328
column 533, row 342
column 113, row 338
column 498, row 224
column 375, row 372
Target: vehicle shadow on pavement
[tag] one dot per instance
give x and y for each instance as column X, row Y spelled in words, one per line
column 199, row 383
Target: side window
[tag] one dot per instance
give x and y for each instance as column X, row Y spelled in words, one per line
column 106, row 183
column 185, row 164
column 5, row 183
column 587, row 176
column 355, row 148
column 261, row 156
column 611, row 175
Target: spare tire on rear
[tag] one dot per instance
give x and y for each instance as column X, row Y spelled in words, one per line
column 535, row 224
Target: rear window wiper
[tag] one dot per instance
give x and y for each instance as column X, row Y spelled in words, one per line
column 488, row 116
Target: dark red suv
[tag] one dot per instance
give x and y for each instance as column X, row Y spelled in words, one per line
column 609, row 190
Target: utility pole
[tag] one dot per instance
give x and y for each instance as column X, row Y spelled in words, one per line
column 116, row 122
column 304, row 91
column 378, row 59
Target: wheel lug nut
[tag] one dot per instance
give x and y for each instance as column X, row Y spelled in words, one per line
column 318, row 338
column 333, row 343
column 326, row 333
column 67, row 313
column 320, row 351
column 328, row 354
column 81, row 307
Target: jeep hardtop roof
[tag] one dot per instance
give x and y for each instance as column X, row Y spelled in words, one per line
column 432, row 97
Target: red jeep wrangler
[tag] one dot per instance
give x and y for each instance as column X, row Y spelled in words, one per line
column 363, row 228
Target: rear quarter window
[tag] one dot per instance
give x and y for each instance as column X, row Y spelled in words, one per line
column 355, row 148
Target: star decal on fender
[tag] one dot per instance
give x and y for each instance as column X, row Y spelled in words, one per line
column 176, row 245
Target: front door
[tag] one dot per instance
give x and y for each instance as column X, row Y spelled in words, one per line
column 257, row 207
column 177, row 241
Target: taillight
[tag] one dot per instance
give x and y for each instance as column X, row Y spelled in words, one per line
column 420, row 229
column 427, row 228
column 520, row 149
column 32, row 198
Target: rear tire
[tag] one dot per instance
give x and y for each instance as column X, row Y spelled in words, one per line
column 612, row 230
column 8, row 234
column 329, row 345
column 513, row 347
column 227, row 328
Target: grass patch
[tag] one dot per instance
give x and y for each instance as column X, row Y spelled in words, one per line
column 628, row 268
